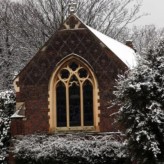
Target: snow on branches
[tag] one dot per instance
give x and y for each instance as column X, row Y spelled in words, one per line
column 69, row 148
column 140, row 93
column 7, row 104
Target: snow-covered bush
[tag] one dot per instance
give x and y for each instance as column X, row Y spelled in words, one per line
column 69, row 148
column 7, row 102
column 140, row 94
column 7, row 105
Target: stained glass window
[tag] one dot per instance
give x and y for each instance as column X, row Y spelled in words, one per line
column 74, row 96
column 74, row 105
column 88, row 103
column 61, row 105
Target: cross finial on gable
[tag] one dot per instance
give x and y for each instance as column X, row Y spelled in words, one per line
column 72, row 6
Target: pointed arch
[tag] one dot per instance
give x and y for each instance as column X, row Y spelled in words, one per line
column 61, row 104
column 88, row 103
column 73, row 96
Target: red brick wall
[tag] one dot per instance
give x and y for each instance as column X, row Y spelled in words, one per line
column 17, row 126
column 34, row 79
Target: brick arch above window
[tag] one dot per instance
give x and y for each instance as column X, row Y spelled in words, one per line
column 73, row 96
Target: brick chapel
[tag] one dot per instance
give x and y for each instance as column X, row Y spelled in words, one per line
column 68, row 85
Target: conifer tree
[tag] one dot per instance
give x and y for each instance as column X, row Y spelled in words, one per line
column 7, row 104
column 140, row 94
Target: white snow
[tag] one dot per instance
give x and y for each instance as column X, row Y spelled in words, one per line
column 7, row 104
column 17, row 115
column 123, row 52
column 82, row 146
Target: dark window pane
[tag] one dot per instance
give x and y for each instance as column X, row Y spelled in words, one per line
column 74, row 105
column 64, row 74
column 73, row 79
column 83, row 73
column 88, row 103
column 73, row 66
column 61, row 105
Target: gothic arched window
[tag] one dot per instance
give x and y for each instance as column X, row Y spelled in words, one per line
column 73, row 99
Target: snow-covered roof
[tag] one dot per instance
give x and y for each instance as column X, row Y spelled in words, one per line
column 123, row 52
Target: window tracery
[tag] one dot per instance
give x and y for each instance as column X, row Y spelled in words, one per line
column 74, row 96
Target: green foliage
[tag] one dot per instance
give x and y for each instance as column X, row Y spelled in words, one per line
column 7, row 102
column 69, row 148
column 7, row 105
column 141, row 95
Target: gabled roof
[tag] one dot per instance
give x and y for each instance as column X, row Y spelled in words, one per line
column 123, row 52
column 126, row 54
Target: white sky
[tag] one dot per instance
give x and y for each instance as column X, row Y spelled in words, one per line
column 156, row 10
